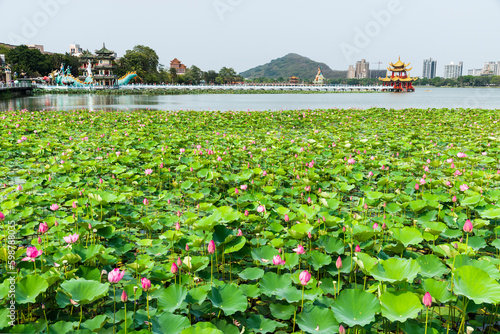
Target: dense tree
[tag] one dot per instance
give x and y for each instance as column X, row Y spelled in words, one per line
column 173, row 75
column 144, row 61
column 209, row 76
column 193, row 75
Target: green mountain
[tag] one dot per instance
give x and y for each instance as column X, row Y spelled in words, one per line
column 292, row 65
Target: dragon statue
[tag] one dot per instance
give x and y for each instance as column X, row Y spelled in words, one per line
column 63, row 77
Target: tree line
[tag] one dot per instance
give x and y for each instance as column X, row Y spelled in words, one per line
column 32, row 63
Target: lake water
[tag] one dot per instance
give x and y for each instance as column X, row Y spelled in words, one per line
column 488, row 98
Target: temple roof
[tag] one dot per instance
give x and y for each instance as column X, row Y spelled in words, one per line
column 404, row 69
column 104, row 50
column 175, row 61
column 398, row 66
column 390, row 79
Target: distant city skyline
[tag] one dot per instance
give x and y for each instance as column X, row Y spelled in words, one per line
column 240, row 34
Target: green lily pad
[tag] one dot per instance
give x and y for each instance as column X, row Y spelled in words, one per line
column 228, row 298
column 355, row 307
column 318, row 259
column 299, row 231
column 172, row 298
column 259, row 324
column 407, row 235
column 282, row 311
column 28, row 288
column 314, row 319
column 431, row 266
column 85, row 292
column 396, row 270
column 438, row 290
column 476, row 285
column 400, row 306
column 251, row 274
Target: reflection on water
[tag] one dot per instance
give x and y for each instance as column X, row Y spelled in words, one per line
column 422, row 98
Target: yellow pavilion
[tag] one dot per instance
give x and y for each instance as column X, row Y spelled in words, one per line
column 399, row 81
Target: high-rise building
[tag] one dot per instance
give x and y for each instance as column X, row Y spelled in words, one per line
column 453, row 71
column 475, row 72
column 351, row 72
column 362, row 69
column 430, row 68
column 75, row 50
column 491, row 68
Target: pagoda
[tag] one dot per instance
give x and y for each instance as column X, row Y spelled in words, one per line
column 104, row 64
column 399, row 81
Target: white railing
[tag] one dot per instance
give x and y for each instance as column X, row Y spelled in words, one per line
column 284, row 87
column 4, row 86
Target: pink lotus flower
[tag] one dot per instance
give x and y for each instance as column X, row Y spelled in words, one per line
column 19, row 187
column 2, row 216
column 145, row 201
column 236, row 191
column 307, row 188
column 427, row 299
column 145, row 283
column 240, row 233
column 187, row 248
column 101, row 181
column 179, row 262
column 341, row 329
column 338, row 263
column 464, row 187
column 243, row 187
column 264, row 173
column 468, row 226
column 370, row 174
column 74, row 205
column 43, row 227
column 124, row 297
column 351, row 161
column 309, row 235
column 357, row 249
column 461, row 155
column 375, row 226
column 299, row 250
column 219, row 158
column 177, row 226
column 54, row 207
column 277, row 260
column 383, row 225
column 115, row 275
column 454, row 199
column 304, row 277
column 211, row 247
column 72, row 238
column 183, row 150
column 309, row 200
column 287, row 219
column 246, row 213
column 261, row 208
column 148, row 171
column 417, row 186
column 174, row 269
column 32, row 253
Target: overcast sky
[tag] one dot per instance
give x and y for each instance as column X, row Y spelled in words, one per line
column 245, row 33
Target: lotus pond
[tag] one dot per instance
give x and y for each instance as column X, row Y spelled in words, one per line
column 313, row 221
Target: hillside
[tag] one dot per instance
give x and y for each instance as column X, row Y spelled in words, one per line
column 292, row 65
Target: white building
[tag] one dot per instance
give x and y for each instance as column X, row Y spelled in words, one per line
column 75, row 50
column 453, row 71
column 430, row 68
column 491, row 68
column 475, row 72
